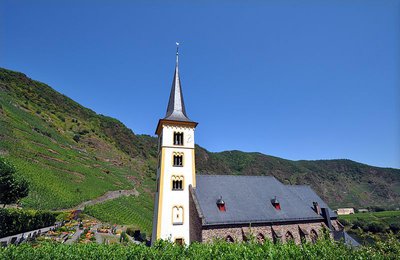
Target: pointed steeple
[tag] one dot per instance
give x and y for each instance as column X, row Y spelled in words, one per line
column 176, row 107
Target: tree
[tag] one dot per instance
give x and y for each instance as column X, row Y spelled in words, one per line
column 12, row 187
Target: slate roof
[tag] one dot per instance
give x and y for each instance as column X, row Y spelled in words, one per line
column 308, row 195
column 248, row 200
column 176, row 110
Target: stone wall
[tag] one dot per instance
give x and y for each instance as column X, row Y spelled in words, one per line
column 281, row 232
column 195, row 220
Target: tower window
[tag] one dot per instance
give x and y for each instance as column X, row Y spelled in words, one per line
column 179, row 241
column 177, row 215
column 178, row 138
column 178, row 159
column 177, row 182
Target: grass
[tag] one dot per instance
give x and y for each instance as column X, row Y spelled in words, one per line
column 131, row 210
column 387, row 217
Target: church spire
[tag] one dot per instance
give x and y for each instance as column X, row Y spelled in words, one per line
column 176, row 107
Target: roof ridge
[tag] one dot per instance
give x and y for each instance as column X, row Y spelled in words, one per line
column 229, row 175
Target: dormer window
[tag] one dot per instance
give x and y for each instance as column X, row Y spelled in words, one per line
column 178, row 138
column 221, row 204
column 276, row 203
column 178, row 159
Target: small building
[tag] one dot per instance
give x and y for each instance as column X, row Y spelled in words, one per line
column 345, row 211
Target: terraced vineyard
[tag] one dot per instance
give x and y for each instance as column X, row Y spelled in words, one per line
column 125, row 211
column 377, row 222
column 387, row 216
column 61, row 148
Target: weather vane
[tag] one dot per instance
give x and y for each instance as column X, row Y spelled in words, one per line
column 177, row 48
column 177, row 52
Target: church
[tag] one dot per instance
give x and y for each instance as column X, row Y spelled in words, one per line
column 191, row 207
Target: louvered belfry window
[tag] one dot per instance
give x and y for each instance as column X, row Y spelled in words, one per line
column 178, row 138
column 178, row 160
column 177, row 182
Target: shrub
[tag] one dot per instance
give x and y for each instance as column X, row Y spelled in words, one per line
column 375, row 227
column 395, row 227
column 14, row 221
column 360, row 223
column 76, row 138
column 323, row 249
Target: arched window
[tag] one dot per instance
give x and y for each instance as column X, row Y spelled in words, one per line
column 177, row 182
column 276, row 236
column 178, row 138
column 260, row 238
column 313, row 236
column 303, row 238
column 229, row 239
column 179, row 241
column 289, row 237
column 177, row 215
column 178, row 159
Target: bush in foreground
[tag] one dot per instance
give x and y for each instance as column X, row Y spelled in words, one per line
column 324, row 249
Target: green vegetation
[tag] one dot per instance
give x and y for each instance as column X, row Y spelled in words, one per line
column 14, row 221
column 324, row 249
column 12, row 187
column 374, row 222
column 69, row 154
column 125, row 211
column 38, row 126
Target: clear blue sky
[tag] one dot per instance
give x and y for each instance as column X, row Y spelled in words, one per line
column 309, row 80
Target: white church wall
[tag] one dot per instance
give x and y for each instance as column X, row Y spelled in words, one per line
column 176, row 198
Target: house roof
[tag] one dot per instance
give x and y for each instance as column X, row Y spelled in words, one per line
column 248, row 200
column 309, row 196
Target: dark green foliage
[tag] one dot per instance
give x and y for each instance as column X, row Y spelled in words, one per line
column 395, row 227
column 375, row 222
column 12, row 188
column 15, row 221
column 323, row 249
column 376, row 227
column 77, row 138
column 123, row 238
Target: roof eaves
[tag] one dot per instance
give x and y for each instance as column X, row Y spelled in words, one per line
column 270, row 221
column 196, row 203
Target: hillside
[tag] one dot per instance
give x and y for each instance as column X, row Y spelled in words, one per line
column 70, row 154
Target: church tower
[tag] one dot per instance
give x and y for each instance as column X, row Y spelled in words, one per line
column 176, row 168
